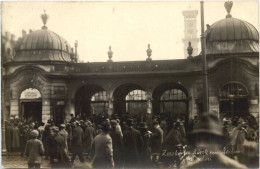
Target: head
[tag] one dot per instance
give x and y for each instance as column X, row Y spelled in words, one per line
column 34, row 134
column 130, row 122
column 106, row 127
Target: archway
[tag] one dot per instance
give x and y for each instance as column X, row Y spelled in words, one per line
column 171, row 100
column 130, row 100
column 233, row 98
column 90, row 99
column 31, row 105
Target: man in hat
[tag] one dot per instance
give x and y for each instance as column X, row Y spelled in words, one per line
column 102, row 148
column 208, row 137
column 117, row 140
column 133, row 144
column 77, row 143
column 88, row 136
column 34, row 150
column 64, row 134
column 156, row 139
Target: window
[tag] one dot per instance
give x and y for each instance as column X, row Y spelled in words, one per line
column 59, row 90
column 136, row 95
column 173, row 94
column 100, row 96
column 233, row 89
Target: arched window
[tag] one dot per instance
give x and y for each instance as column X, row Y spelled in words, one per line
column 232, row 90
column 173, row 94
column 136, row 95
column 100, row 96
column 99, row 102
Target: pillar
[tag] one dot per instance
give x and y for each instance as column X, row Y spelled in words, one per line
column 46, row 110
column 110, row 106
column 14, row 107
column 192, row 108
column 254, row 107
column 214, row 105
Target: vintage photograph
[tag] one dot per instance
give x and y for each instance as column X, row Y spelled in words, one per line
column 130, row 84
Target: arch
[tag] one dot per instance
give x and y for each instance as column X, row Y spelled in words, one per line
column 171, row 100
column 30, row 105
column 121, row 105
column 84, row 106
column 233, row 99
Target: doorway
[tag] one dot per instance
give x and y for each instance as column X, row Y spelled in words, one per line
column 31, row 111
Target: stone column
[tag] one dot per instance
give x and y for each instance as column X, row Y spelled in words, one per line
column 214, row 105
column 14, row 107
column 110, row 106
column 71, row 109
column 191, row 104
column 46, row 110
column 254, row 107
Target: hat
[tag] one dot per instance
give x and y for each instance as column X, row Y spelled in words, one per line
column 130, row 122
column 62, row 126
column 113, row 122
column 34, row 133
column 155, row 122
column 106, row 126
column 208, row 124
column 143, row 125
column 77, row 123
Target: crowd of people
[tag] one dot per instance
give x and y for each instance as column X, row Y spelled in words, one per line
column 156, row 142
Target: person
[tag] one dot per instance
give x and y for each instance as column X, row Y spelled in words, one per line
column 156, row 139
column 61, row 147
column 45, row 139
column 77, row 143
column 88, row 136
column 117, row 140
column 34, row 150
column 8, row 136
column 102, row 151
column 172, row 143
column 15, row 137
column 24, row 132
column 208, row 136
column 65, row 135
column 133, row 143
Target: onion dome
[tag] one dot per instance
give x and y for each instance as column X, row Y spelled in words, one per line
column 43, row 45
column 231, row 35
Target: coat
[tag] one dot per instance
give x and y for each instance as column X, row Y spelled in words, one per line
column 62, row 152
column 117, row 141
column 103, row 151
column 172, row 139
column 15, row 137
column 34, row 150
column 88, row 137
column 133, row 143
column 157, row 140
column 8, row 137
column 77, row 139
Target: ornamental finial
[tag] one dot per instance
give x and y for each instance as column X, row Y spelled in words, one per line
column 228, row 5
column 190, row 50
column 44, row 19
column 110, row 54
column 149, row 52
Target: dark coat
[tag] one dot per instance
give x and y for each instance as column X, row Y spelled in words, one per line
column 88, row 137
column 133, row 143
column 117, row 141
column 62, row 152
column 15, row 137
column 103, row 151
column 172, row 139
column 8, row 137
column 77, row 139
column 34, row 150
column 157, row 140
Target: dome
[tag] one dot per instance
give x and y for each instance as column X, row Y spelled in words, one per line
column 43, row 45
column 231, row 35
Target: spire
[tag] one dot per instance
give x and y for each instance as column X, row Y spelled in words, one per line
column 110, row 55
column 149, row 53
column 44, row 20
column 228, row 5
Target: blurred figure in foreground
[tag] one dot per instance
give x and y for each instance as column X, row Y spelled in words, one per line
column 208, row 137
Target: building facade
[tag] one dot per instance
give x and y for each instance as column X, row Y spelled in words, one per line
column 42, row 79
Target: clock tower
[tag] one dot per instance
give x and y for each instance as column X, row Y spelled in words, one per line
column 190, row 31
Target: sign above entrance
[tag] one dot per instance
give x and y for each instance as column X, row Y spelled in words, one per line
column 30, row 94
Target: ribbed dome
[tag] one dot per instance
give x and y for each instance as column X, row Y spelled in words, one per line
column 43, row 45
column 231, row 35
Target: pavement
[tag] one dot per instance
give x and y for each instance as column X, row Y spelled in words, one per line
column 14, row 160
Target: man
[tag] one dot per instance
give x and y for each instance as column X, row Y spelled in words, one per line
column 117, row 141
column 34, row 150
column 156, row 139
column 77, row 143
column 133, row 144
column 64, row 134
column 208, row 137
column 88, row 136
column 102, row 148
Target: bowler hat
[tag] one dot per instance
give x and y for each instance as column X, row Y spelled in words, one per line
column 106, row 126
column 34, row 133
column 113, row 122
column 62, row 126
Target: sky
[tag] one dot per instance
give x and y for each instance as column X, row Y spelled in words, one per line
column 128, row 27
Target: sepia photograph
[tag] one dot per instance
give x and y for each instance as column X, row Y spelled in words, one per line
column 130, row 84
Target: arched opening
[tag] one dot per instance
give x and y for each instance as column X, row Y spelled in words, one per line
column 233, row 99
column 130, row 100
column 89, row 100
column 171, row 100
column 31, row 105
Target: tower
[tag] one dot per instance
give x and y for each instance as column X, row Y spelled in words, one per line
column 190, row 31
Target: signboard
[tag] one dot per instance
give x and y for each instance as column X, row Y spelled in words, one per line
column 30, row 94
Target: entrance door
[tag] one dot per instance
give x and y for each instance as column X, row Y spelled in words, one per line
column 32, row 111
column 58, row 116
column 239, row 107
